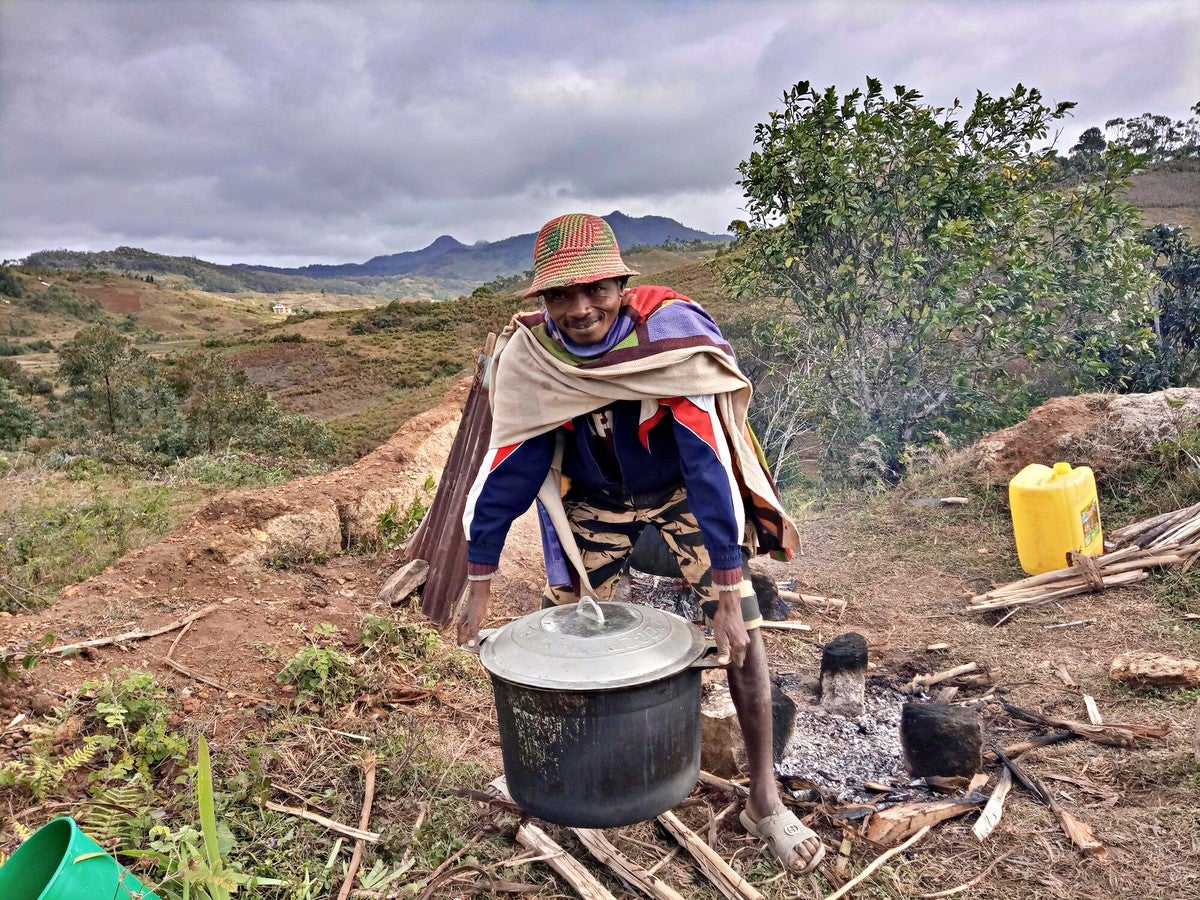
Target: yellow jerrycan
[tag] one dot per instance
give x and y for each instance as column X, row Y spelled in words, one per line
column 1054, row 510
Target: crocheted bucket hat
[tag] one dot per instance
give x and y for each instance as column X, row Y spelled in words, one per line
column 575, row 249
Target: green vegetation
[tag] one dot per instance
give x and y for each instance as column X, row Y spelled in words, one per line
column 934, row 274
column 191, row 824
column 46, row 546
column 10, row 283
column 1170, row 354
column 396, row 526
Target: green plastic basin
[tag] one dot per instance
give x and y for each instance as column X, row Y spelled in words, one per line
column 60, row 862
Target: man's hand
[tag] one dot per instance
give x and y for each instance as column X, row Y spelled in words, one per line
column 729, row 629
column 473, row 609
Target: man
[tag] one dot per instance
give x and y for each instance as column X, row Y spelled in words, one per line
column 633, row 399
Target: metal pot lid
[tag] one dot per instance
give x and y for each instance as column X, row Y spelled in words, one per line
column 592, row 646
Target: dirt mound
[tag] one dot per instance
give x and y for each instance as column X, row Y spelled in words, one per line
column 1108, row 432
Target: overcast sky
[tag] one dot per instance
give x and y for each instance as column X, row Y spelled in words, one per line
column 289, row 132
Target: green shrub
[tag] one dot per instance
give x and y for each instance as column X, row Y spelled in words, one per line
column 10, row 283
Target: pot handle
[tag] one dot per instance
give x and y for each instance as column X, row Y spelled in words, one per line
column 707, row 658
column 588, row 607
column 484, row 634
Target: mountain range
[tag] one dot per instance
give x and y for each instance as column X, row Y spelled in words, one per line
column 447, row 257
column 445, row 269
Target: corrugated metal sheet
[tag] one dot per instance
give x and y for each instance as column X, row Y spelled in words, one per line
column 439, row 539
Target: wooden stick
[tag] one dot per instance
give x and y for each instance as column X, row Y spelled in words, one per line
column 338, row 827
column 1119, row 535
column 990, row 817
column 1077, row 585
column 571, row 869
column 1071, row 624
column 784, row 626
column 823, row 603
column 1093, row 711
column 196, row 676
column 132, row 635
column 178, row 638
column 604, row 850
column 879, row 861
column 924, row 681
column 1114, row 734
column 364, row 820
column 724, row 784
column 1042, row 741
column 967, row 885
column 731, row 884
column 638, row 878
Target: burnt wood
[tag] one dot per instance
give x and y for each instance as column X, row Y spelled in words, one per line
column 845, row 653
column 941, row 740
column 772, row 607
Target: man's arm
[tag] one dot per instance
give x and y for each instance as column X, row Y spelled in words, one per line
column 505, row 486
column 713, row 496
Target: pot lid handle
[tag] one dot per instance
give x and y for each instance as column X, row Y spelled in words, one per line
column 588, row 607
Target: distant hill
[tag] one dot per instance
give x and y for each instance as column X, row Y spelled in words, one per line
column 394, row 264
column 449, row 258
column 445, row 269
column 187, row 271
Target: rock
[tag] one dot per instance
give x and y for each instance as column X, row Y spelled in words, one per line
column 770, row 604
column 721, row 747
column 403, row 582
column 650, row 554
column 783, row 721
column 1108, row 432
column 303, row 533
column 941, row 740
column 361, row 515
column 1141, row 668
column 844, row 675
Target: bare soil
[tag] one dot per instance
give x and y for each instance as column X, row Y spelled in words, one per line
column 904, row 570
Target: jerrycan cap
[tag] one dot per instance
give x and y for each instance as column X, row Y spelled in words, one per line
column 1062, row 468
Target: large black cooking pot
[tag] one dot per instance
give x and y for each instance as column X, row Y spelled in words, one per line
column 599, row 711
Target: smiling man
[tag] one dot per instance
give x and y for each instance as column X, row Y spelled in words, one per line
column 632, row 401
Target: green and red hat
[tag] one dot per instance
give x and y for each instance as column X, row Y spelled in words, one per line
column 577, row 248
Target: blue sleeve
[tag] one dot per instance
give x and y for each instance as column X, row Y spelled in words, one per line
column 506, row 484
column 708, row 475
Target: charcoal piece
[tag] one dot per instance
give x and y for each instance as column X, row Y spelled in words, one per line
column 941, row 740
column 772, row 607
column 783, row 721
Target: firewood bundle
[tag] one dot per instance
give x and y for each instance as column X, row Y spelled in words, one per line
column 1169, row 539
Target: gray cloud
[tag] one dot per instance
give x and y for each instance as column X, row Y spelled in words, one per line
column 293, row 132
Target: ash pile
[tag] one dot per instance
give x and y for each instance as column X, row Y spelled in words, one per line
column 849, row 736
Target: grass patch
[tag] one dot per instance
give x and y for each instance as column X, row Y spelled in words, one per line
column 44, row 548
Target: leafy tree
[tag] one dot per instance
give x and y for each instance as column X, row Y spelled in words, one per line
column 1171, row 357
column 219, row 400
column 18, row 420
column 10, row 283
column 1088, row 153
column 223, row 407
column 1156, row 137
column 932, row 275
column 100, row 365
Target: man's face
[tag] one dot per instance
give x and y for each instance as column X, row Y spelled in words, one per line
column 584, row 312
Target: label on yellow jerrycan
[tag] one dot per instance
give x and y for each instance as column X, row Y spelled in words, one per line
column 1054, row 510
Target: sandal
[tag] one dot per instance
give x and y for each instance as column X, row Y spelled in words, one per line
column 784, row 834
